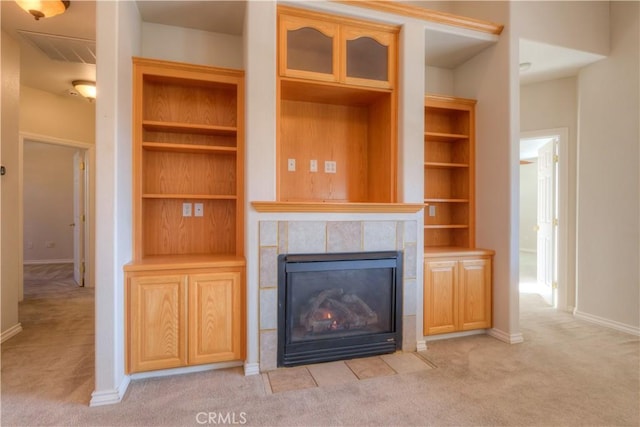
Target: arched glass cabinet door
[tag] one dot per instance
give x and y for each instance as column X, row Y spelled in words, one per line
column 308, row 48
column 369, row 57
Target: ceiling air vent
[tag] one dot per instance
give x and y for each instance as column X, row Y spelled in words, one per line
column 61, row 48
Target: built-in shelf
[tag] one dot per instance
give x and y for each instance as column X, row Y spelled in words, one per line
column 155, row 125
column 190, row 196
column 446, row 165
column 336, row 207
column 187, row 148
column 444, row 137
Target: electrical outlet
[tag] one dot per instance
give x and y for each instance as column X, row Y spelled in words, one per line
column 198, row 209
column 291, row 165
column 432, row 210
column 49, row 244
column 330, row 166
column 313, row 166
column 186, row 209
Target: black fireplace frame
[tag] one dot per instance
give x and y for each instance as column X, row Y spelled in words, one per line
column 340, row 348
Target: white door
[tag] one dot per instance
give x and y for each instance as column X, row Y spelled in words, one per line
column 546, row 218
column 78, row 216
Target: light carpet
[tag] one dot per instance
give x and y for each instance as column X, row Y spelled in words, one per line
column 566, row 373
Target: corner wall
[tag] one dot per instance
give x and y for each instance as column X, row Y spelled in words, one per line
column 608, row 230
column 491, row 78
column 10, row 245
column 117, row 39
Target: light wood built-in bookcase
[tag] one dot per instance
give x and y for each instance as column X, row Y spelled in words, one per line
column 185, row 287
column 457, row 275
column 449, row 172
column 337, row 103
column 188, row 149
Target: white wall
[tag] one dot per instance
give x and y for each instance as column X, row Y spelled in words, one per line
column 548, row 22
column 117, row 39
column 528, row 206
column 10, row 246
column 608, row 182
column 438, row 81
column 48, row 202
column 491, row 78
column 191, row 46
column 44, row 113
column 260, row 143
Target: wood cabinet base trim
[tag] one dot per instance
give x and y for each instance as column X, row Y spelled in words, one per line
column 173, row 262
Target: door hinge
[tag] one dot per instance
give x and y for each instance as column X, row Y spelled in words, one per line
column 555, row 221
column 554, row 285
column 81, row 166
column 82, row 218
column 82, row 267
column 556, row 158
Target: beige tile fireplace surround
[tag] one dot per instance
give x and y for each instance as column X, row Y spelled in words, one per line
column 290, row 237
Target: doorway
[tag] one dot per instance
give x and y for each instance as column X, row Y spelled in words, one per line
column 543, row 214
column 55, row 204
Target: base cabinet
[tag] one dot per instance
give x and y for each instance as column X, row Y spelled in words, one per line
column 457, row 292
column 182, row 317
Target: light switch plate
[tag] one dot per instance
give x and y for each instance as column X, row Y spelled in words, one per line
column 291, row 165
column 313, row 166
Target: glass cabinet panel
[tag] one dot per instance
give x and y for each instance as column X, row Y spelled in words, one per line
column 309, row 50
column 367, row 59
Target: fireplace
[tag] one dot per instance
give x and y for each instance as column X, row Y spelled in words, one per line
column 338, row 306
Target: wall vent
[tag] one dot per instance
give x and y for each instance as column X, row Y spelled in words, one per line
column 61, row 48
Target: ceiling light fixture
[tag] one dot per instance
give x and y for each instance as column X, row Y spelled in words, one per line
column 524, row 66
column 43, row 8
column 86, row 88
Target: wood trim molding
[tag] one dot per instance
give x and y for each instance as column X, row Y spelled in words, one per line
column 336, row 207
column 427, row 15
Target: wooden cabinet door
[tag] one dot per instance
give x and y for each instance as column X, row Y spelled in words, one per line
column 215, row 317
column 475, row 294
column 368, row 57
column 440, row 297
column 156, row 322
column 308, row 48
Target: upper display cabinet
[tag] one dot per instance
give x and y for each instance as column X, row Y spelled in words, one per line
column 337, row 109
column 318, row 47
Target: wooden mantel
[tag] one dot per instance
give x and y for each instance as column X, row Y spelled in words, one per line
column 336, row 207
column 427, row 15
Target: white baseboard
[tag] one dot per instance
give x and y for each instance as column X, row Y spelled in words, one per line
column 505, row 337
column 251, row 369
column 623, row 327
column 110, row 397
column 11, row 332
column 47, row 261
column 184, row 370
column 421, row 345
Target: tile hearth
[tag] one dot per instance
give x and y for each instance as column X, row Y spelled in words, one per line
column 327, row 374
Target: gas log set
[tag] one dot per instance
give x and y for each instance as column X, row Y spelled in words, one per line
column 333, row 310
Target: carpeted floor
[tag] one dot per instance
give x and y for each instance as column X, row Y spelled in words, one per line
column 566, row 373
